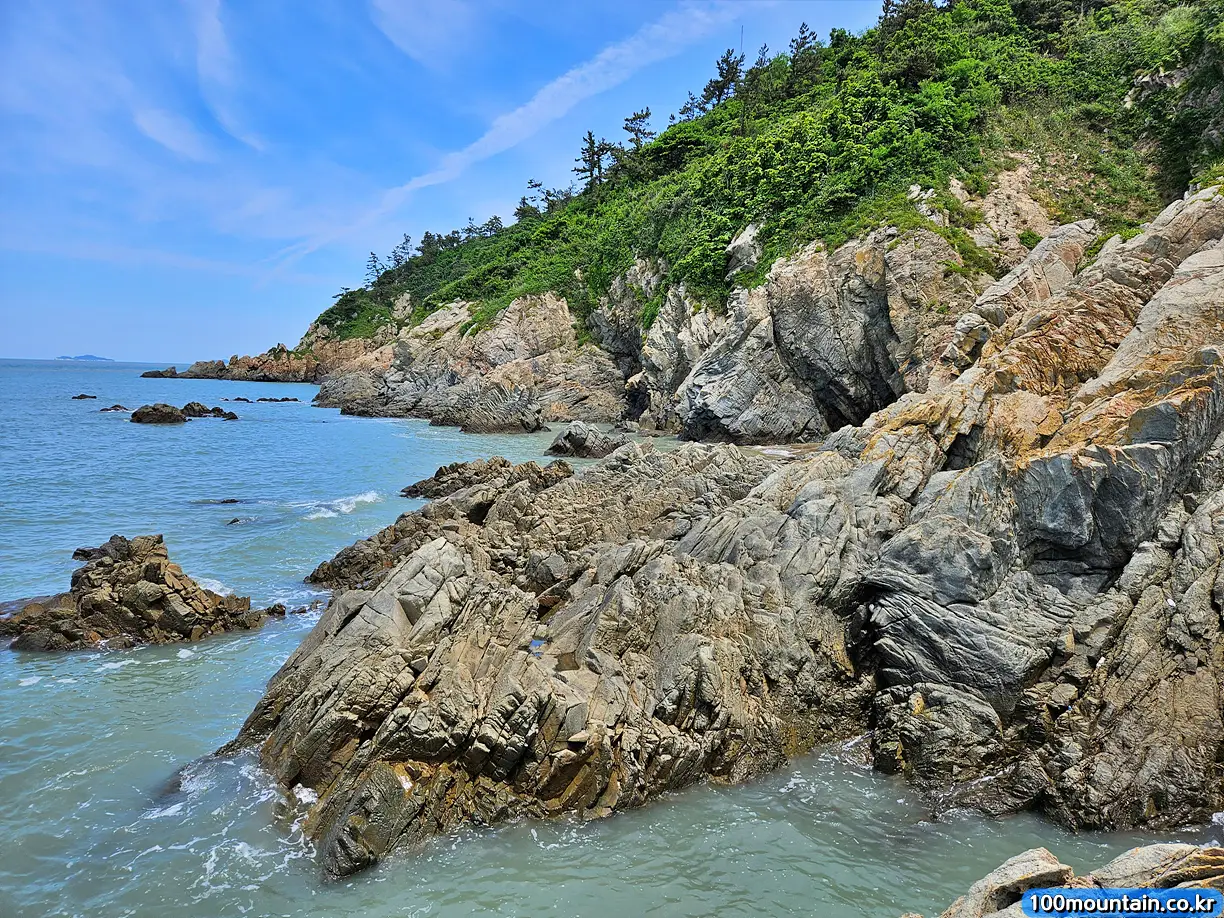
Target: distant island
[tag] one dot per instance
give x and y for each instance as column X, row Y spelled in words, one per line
column 86, row 357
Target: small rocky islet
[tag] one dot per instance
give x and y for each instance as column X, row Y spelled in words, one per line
column 128, row 593
column 162, row 413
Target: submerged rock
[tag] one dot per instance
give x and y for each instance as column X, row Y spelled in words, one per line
column 159, row 413
column 585, row 442
column 77, row 398
column 1010, row 582
column 114, row 408
column 128, row 593
column 1165, row 866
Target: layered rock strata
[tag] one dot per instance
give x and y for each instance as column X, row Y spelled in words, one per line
column 129, row 592
column 1009, row 582
column 583, row 441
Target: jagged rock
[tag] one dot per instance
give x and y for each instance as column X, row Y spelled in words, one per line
column 1165, row 866
column 159, row 413
column 128, row 593
column 285, row 399
column 167, row 373
column 200, row 410
column 585, row 442
column 470, row 489
column 744, row 251
column 77, row 398
column 522, row 371
column 1011, row 582
column 741, row 390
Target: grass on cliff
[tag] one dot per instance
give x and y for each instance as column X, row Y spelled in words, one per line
column 824, row 141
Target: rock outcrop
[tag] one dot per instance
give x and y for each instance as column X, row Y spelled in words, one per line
column 200, row 410
column 1166, row 866
column 129, row 592
column 167, row 373
column 583, row 441
column 161, row 413
column 521, row 372
column 1010, row 582
column 158, row 413
column 82, row 396
column 115, row 407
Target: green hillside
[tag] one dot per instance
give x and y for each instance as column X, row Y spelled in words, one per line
column 824, row 140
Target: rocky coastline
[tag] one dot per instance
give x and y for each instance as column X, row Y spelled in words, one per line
column 828, row 338
column 1167, row 866
column 1006, row 581
column 127, row 593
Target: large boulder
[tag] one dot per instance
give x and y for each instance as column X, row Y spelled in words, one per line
column 583, row 441
column 128, row 593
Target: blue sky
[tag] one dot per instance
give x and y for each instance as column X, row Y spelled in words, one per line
column 181, row 180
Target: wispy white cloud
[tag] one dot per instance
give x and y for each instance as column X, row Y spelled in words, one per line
column 216, row 69
column 666, row 37
column 431, row 32
column 174, row 132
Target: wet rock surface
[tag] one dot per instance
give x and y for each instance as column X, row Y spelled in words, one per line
column 200, row 410
column 1167, row 866
column 128, row 592
column 159, row 413
column 1008, row 582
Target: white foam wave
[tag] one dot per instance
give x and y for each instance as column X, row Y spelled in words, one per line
column 30, row 680
column 215, row 585
column 163, row 811
column 326, row 509
column 186, row 654
column 119, row 665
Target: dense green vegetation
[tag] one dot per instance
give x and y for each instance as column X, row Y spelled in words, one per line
column 823, row 141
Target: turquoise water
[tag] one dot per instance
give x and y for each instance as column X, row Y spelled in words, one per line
column 93, row 825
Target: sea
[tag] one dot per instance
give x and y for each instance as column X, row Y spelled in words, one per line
column 110, row 804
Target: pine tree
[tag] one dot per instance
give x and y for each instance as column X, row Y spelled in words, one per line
column 374, row 270
column 730, row 69
column 402, row 252
column 590, row 160
column 526, row 210
column 637, row 127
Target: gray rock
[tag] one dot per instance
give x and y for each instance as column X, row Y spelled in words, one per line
column 585, row 442
column 1012, row 579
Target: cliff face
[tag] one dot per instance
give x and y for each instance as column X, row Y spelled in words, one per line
column 827, row 339
column 1011, row 580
